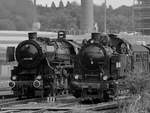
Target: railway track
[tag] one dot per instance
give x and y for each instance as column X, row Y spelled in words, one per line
column 14, row 101
column 33, row 105
column 56, row 107
column 63, row 104
column 2, row 101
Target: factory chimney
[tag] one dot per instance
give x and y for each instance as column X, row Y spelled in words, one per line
column 36, row 24
column 87, row 17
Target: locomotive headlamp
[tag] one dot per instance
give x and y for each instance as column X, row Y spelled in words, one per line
column 76, row 77
column 14, row 78
column 105, row 77
column 92, row 62
column 39, row 77
column 116, row 82
column 92, row 41
column 12, row 84
column 36, row 84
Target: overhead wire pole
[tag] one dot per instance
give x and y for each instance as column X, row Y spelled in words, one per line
column 105, row 17
column 34, row 2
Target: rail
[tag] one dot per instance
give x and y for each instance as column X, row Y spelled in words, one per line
column 64, row 104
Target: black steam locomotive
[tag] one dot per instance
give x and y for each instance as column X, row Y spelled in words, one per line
column 103, row 61
column 44, row 65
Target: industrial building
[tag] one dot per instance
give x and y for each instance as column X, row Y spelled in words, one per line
column 142, row 16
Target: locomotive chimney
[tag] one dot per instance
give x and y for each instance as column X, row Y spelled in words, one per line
column 32, row 35
column 96, row 35
column 61, row 34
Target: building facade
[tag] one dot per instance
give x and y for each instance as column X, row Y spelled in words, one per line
column 142, row 16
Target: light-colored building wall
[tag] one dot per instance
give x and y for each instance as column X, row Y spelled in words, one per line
column 87, row 17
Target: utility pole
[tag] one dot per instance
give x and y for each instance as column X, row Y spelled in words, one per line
column 105, row 17
column 35, row 3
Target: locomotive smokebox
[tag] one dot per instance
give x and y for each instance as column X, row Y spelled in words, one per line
column 96, row 35
column 32, row 35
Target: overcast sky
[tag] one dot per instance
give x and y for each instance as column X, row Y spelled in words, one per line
column 114, row 3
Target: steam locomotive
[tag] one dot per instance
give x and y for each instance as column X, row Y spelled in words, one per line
column 44, row 65
column 102, row 62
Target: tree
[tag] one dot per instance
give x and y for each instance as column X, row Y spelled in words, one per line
column 21, row 23
column 69, row 17
column 19, row 12
column 7, row 24
column 59, row 18
column 25, row 9
column 5, row 13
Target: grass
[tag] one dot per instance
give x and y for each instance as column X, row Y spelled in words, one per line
column 140, row 104
column 139, row 85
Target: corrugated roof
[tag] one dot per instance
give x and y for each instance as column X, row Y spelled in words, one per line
column 139, row 48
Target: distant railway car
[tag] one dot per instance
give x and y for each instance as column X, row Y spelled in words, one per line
column 140, row 59
column 44, row 65
column 101, row 62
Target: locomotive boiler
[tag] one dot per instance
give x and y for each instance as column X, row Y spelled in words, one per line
column 44, row 65
column 98, row 66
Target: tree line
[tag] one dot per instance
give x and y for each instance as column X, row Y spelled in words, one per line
column 68, row 18
column 16, row 14
column 20, row 15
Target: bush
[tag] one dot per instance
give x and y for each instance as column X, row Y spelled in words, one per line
column 139, row 87
column 138, row 83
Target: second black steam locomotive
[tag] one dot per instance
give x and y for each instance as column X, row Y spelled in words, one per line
column 44, row 66
column 102, row 61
